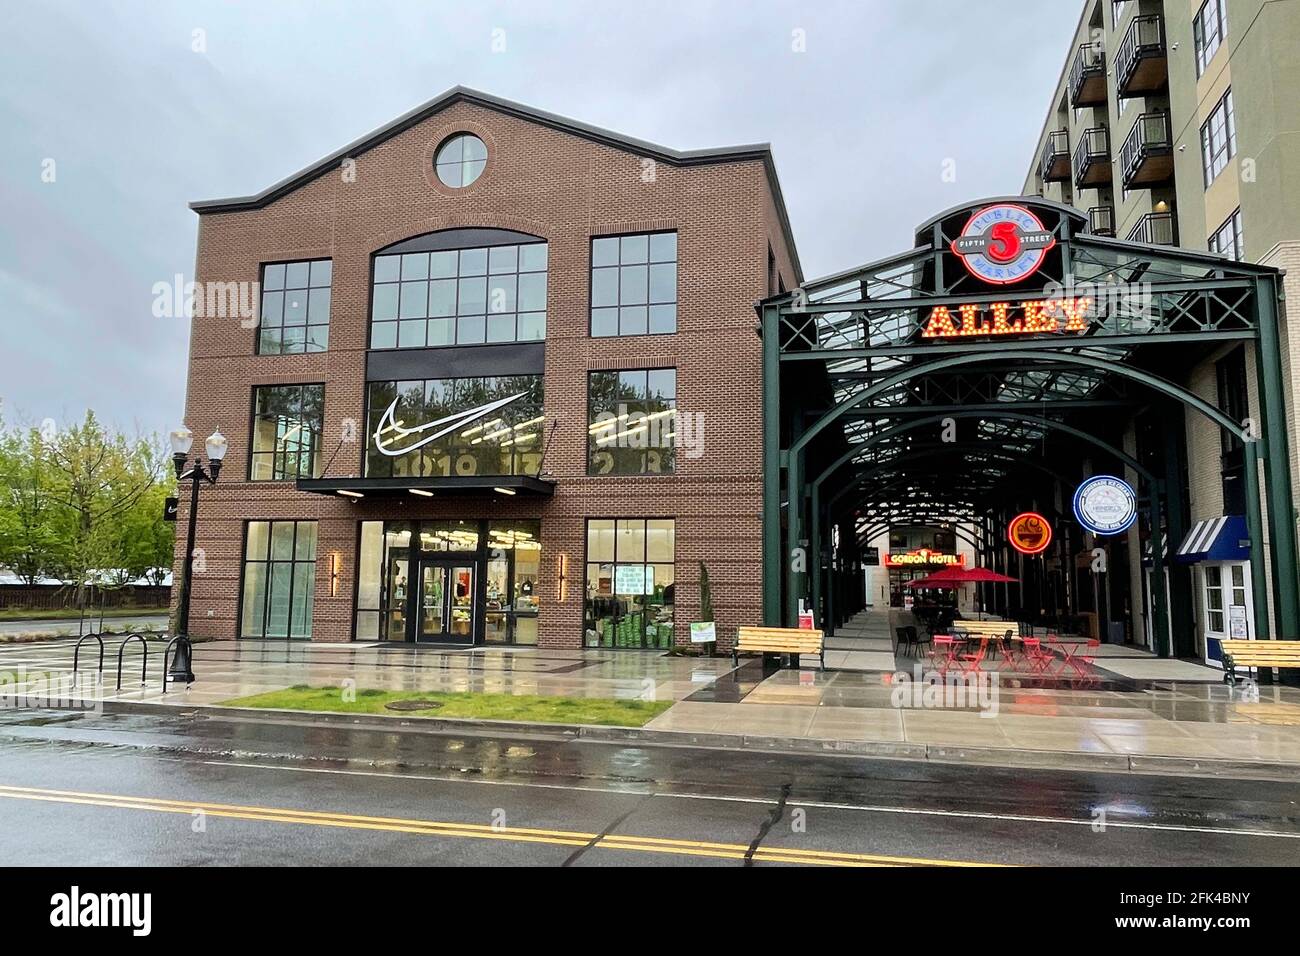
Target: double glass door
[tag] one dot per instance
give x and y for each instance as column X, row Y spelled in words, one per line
column 431, row 599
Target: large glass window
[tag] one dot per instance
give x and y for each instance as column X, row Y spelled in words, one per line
column 286, row 432
column 634, row 284
column 295, row 313
column 631, row 421
column 455, row 426
column 459, row 297
column 1227, row 240
column 1218, row 139
column 629, row 583
column 514, row 565
column 279, row 580
column 1209, row 27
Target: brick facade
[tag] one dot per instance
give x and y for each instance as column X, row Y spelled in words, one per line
column 565, row 188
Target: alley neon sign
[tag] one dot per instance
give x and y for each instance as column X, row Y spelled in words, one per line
column 1066, row 315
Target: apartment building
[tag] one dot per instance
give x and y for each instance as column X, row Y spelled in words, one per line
column 1176, row 123
column 504, row 387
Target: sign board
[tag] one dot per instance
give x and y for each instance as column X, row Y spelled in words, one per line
column 1029, row 533
column 634, row 579
column 806, row 621
column 1060, row 316
column 1003, row 243
column 1105, row 504
column 923, row 556
column 169, row 509
column 872, row 556
column 703, row 633
column 1237, row 627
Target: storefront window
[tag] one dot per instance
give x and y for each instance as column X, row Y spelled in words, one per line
column 1214, row 598
column 413, row 430
column 513, row 594
column 279, row 579
column 631, row 421
column 287, row 422
column 629, row 583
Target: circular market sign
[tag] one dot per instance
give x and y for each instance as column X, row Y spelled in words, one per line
column 1003, row 243
column 1029, row 533
column 1105, row 504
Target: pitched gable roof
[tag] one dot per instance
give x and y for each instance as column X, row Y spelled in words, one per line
column 761, row 152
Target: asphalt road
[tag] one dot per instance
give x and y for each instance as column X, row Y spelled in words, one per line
column 188, row 790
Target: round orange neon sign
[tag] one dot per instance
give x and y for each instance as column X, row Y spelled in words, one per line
column 1029, row 533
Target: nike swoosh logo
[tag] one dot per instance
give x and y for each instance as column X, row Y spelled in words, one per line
column 389, row 432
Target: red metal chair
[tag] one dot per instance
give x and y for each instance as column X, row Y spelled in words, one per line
column 947, row 644
column 970, row 663
column 1038, row 658
column 1082, row 661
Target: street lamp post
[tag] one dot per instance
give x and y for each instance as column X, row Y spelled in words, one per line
column 182, row 439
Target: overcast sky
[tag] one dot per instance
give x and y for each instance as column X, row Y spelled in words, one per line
column 137, row 124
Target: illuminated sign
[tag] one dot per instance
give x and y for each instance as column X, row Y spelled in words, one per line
column 1006, row 318
column 908, row 559
column 391, row 444
column 1105, row 504
column 1029, row 533
column 1003, row 243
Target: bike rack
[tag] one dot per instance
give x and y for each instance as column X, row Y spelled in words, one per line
column 76, row 653
column 166, row 653
column 144, row 666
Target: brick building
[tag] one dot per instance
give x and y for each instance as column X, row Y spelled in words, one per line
column 503, row 386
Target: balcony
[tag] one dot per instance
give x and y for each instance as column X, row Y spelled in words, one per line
column 1155, row 229
column 1101, row 221
column 1147, row 157
column 1088, row 76
column 1056, row 156
column 1141, row 65
column 1092, row 159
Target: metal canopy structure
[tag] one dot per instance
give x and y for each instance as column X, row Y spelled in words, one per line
column 938, row 388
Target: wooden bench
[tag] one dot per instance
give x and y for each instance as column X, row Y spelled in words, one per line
column 779, row 640
column 986, row 628
column 1257, row 654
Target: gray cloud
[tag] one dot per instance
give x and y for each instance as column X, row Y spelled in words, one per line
column 139, row 124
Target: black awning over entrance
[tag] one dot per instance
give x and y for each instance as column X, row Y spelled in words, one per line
column 435, row 487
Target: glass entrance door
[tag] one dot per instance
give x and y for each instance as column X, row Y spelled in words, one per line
column 398, row 591
column 445, row 612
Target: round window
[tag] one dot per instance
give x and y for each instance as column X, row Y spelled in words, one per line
column 460, row 160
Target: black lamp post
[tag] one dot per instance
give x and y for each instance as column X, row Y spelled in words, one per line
column 182, row 439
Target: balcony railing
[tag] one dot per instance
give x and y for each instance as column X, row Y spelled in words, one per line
column 1147, row 156
column 1155, row 229
column 1092, row 158
column 1088, row 76
column 1056, row 156
column 1101, row 220
column 1141, row 64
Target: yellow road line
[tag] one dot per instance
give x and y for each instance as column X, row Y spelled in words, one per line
column 613, row 841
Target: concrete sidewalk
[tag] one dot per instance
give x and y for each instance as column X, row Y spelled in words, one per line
column 1106, row 722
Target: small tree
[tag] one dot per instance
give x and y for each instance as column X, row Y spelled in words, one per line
column 706, row 595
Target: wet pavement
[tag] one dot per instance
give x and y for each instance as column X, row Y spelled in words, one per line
column 1104, row 718
column 186, row 789
column 155, row 622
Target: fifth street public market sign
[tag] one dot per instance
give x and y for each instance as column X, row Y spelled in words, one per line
column 1070, row 315
column 1105, row 504
column 1003, row 243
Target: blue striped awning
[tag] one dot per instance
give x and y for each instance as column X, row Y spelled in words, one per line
column 1216, row 539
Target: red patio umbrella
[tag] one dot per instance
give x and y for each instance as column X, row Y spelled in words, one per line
column 955, row 577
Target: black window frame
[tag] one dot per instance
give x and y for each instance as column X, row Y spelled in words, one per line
column 260, row 332
column 618, row 306
column 668, row 454
column 587, row 562
column 1201, row 40
column 253, row 454
column 1235, row 245
column 269, row 561
column 1210, row 154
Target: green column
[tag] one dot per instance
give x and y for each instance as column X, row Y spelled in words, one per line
column 1255, row 529
column 772, row 563
column 815, row 552
column 1160, row 636
column 794, row 527
column 1277, row 463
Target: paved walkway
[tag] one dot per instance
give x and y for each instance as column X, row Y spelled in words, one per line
column 857, row 703
column 59, row 626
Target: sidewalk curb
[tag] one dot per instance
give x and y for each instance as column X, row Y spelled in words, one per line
column 889, row 750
